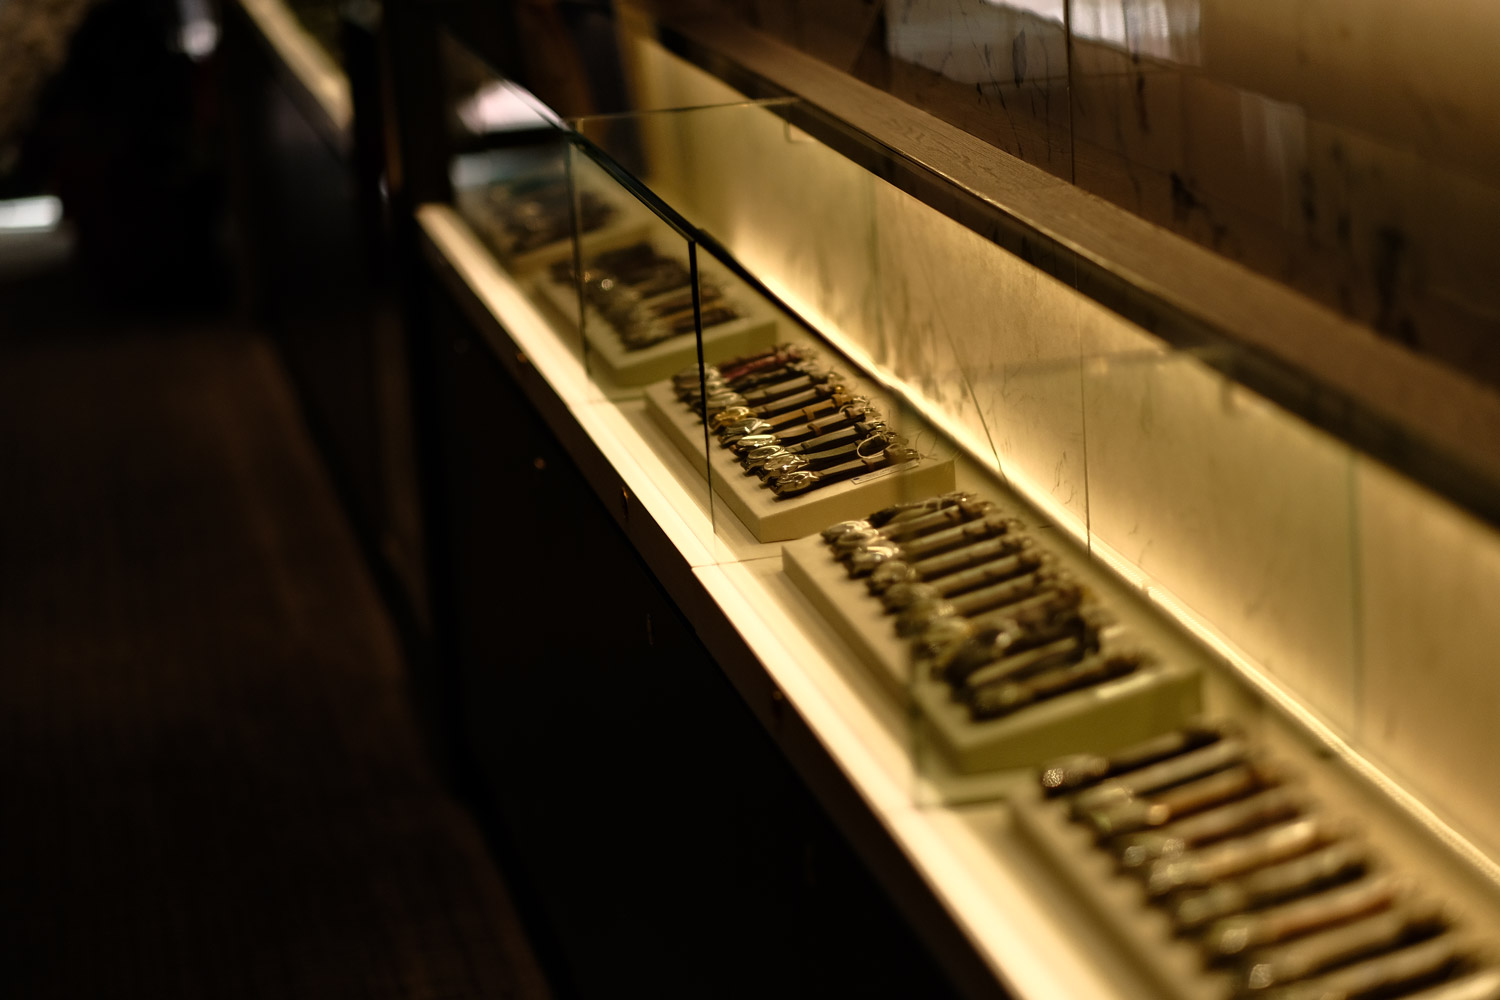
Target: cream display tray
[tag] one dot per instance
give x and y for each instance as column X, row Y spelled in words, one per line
column 1102, row 718
column 773, row 520
column 628, row 226
column 752, row 332
column 1145, row 932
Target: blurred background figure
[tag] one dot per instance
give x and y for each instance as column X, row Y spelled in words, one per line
column 105, row 109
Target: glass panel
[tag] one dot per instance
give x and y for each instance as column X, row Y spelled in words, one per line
column 1229, row 512
column 730, row 261
column 1069, row 431
column 508, row 169
column 1303, row 142
column 642, row 294
column 635, row 286
column 788, row 209
column 1428, row 576
column 518, row 202
column 766, row 202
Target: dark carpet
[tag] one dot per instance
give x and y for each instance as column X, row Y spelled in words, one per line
column 211, row 781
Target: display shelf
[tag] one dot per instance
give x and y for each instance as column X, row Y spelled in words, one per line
column 1376, row 859
column 1102, row 717
column 949, row 859
column 972, row 868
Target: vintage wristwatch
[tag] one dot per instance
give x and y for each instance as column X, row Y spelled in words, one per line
column 757, row 458
column 1327, row 866
column 785, row 426
column 1386, row 974
column 802, row 408
column 641, row 331
column 1275, row 803
column 1174, row 770
column 804, row 386
column 908, row 531
column 1008, row 562
column 879, row 455
column 997, row 700
column 831, row 387
column 1067, row 774
column 718, row 387
column 856, row 412
column 1203, row 867
column 1052, row 635
column 907, row 511
column 773, row 358
column 946, row 636
column 1135, row 814
column 1234, row 935
column 1008, row 607
column 708, row 294
column 863, row 553
column 823, row 458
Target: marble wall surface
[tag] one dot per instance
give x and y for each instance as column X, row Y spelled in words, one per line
column 998, row 71
column 1362, row 594
column 1347, row 148
column 1334, row 146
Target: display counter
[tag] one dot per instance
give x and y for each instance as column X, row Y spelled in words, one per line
column 1150, row 550
column 1126, row 676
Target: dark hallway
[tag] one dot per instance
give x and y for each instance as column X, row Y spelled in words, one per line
column 214, row 784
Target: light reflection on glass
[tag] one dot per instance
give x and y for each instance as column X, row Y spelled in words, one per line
column 501, row 106
column 973, row 41
column 1161, row 29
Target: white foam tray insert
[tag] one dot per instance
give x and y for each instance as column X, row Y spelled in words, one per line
column 1103, row 717
column 755, row 330
column 1144, row 932
column 773, row 520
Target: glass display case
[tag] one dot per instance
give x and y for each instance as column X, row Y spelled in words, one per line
column 1031, row 530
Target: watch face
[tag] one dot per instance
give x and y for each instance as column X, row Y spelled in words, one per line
column 939, row 643
column 835, row 531
column 849, row 541
column 793, row 483
column 742, row 430
column 781, row 465
column 730, row 415
column 754, row 442
column 866, row 559
column 759, row 455
column 891, row 573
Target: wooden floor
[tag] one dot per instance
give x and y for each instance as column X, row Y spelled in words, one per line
column 211, row 782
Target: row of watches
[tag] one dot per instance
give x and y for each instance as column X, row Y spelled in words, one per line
column 519, row 218
column 1287, row 901
column 985, row 608
column 646, row 296
column 792, row 422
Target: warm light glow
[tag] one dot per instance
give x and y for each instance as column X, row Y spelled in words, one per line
column 198, row 36
column 1063, row 517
